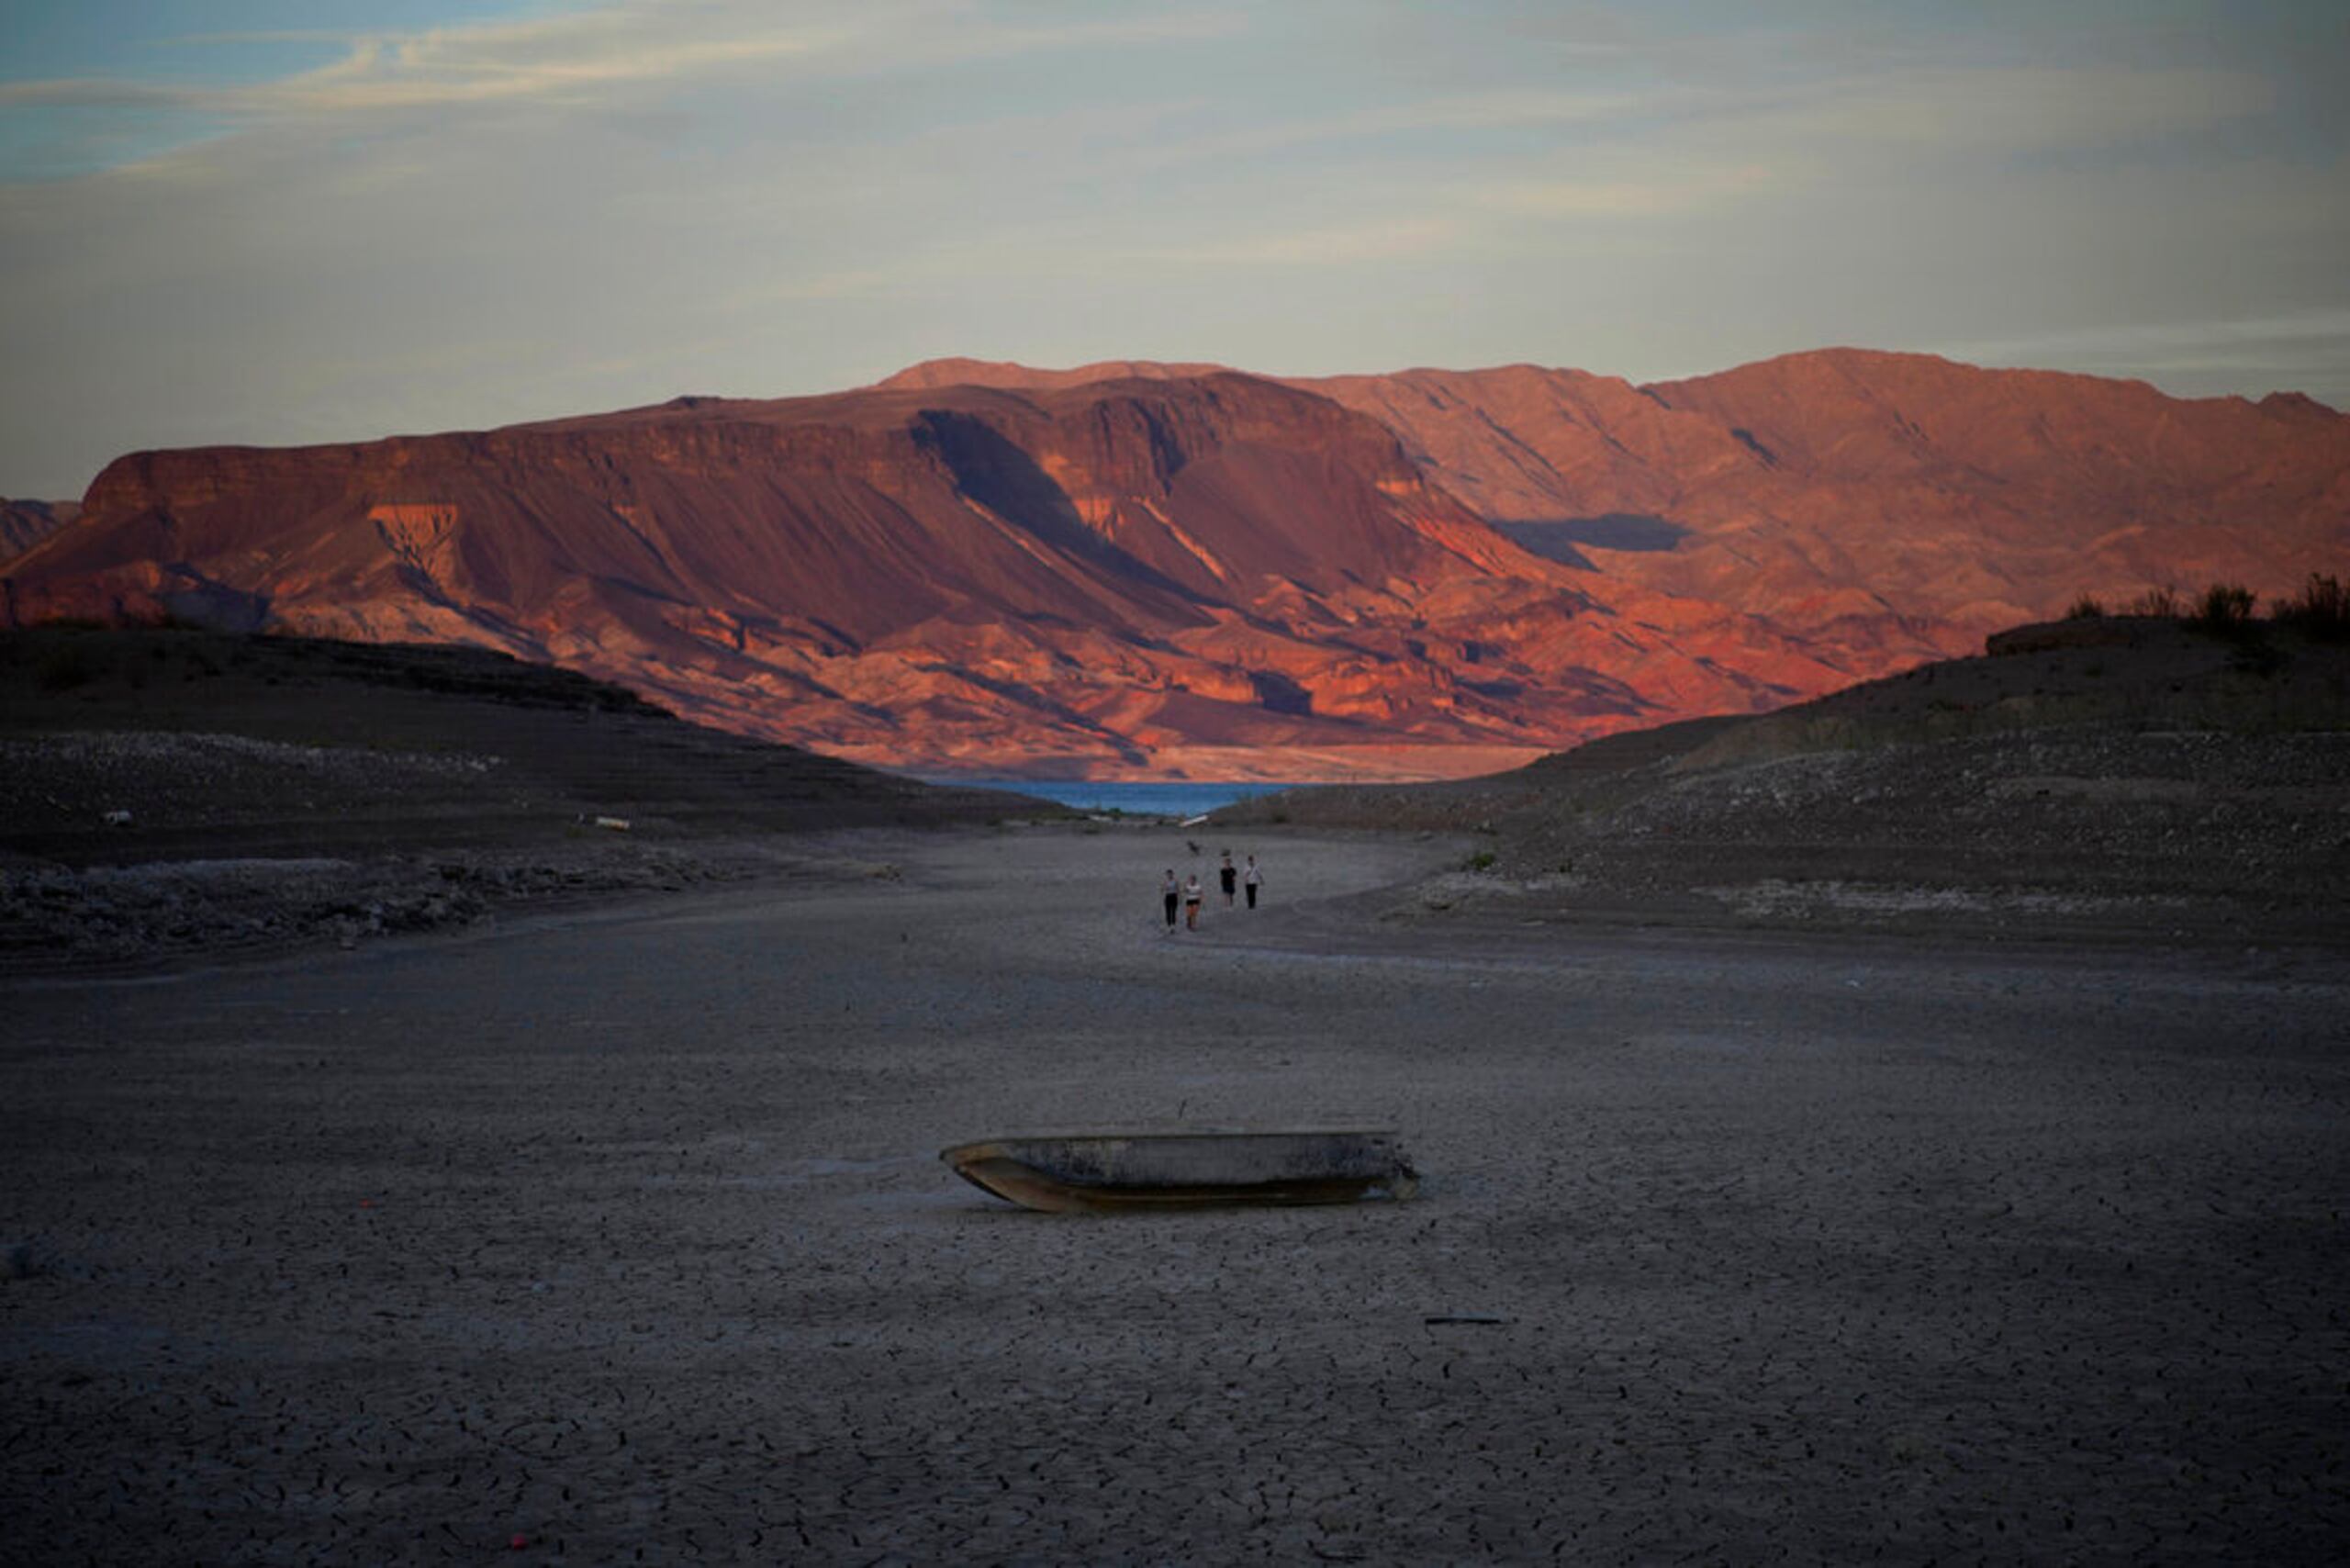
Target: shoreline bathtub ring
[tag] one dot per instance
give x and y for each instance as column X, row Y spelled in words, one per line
column 1186, row 1168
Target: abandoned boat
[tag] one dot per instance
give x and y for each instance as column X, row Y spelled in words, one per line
column 1187, row 1167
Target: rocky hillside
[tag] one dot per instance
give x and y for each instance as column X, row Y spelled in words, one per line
column 553, row 747
column 24, row 524
column 1142, row 569
column 167, row 791
column 2136, row 773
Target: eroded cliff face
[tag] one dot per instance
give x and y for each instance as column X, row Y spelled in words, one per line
column 1156, row 569
column 1847, row 492
column 24, row 524
column 1852, row 496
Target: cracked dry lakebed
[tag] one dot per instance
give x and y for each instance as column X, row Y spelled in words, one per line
column 619, row 1233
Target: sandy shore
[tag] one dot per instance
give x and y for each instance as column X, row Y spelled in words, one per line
column 620, row 1229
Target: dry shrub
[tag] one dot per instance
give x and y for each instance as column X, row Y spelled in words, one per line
column 2321, row 609
column 2224, row 606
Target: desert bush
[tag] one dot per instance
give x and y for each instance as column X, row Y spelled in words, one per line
column 1480, row 861
column 2085, row 608
column 2321, row 609
column 2224, row 606
column 2162, row 601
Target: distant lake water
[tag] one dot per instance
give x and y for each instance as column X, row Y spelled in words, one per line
column 1187, row 798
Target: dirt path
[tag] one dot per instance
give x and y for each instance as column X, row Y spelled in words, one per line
column 621, row 1229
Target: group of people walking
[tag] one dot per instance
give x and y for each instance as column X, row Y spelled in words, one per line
column 1189, row 893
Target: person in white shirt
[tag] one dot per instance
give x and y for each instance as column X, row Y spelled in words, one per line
column 1192, row 900
column 1252, row 880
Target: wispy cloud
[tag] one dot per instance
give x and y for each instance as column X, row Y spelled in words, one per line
column 556, row 57
column 1954, row 112
column 1665, row 187
column 587, row 205
column 1499, row 110
column 572, row 57
column 95, row 92
column 1331, row 245
column 561, row 56
column 2301, row 338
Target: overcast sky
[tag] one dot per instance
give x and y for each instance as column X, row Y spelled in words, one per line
column 294, row 220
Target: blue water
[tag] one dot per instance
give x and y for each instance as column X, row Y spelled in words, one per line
column 1188, row 799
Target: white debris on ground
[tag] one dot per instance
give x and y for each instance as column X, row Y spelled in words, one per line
column 1776, row 899
column 142, row 748
column 2092, row 825
column 167, row 778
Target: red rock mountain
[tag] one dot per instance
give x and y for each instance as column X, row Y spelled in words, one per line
column 1844, row 485
column 24, row 524
column 1848, row 480
column 1142, row 568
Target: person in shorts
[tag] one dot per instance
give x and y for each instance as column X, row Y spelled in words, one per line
column 1230, row 876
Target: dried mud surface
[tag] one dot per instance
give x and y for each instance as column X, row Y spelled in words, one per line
column 618, row 1232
